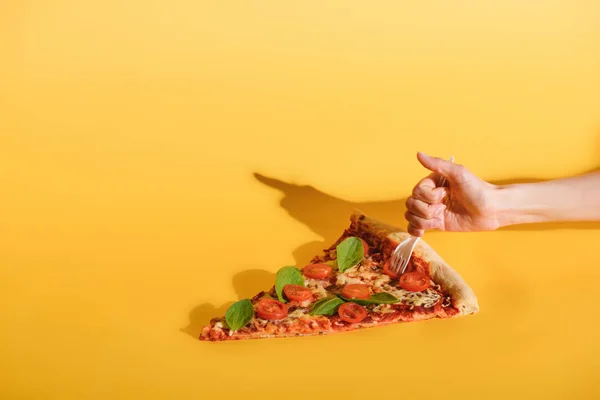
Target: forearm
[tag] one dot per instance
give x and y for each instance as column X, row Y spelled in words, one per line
column 569, row 199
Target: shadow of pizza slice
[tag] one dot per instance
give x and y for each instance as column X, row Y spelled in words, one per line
column 350, row 286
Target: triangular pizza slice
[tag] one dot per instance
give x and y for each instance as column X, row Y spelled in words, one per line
column 350, row 287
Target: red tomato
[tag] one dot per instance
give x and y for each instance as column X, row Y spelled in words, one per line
column 317, row 271
column 356, row 291
column 297, row 292
column 388, row 272
column 352, row 312
column 365, row 247
column 414, row 281
column 271, row 309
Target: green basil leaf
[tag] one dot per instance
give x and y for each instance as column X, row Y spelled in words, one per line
column 377, row 298
column 285, row 276
column 326, row 306
column 239, row 314
column 349, row 253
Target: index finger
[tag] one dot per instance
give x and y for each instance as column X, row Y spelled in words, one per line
column 426, row 190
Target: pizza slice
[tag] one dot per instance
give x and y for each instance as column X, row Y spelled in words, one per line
column 350, row 287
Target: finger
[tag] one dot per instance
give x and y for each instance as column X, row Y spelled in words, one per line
column 424, row 210
column 422, row 223
column 428, row 193
column 414, row 231
column 442, row 167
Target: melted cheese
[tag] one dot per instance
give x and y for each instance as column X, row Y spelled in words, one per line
column 426, row 299
column 317, row 287
column 361, row 274
column 295, row 315
column 289, row 320
column 382, row 280
column 343, row 279
column 383, row 309
column 306, row 303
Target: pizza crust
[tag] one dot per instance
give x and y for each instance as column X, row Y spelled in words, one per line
column 463, row 297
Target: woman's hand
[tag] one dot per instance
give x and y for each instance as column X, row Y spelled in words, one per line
column 463, row 205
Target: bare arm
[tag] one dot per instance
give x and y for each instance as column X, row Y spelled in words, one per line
column 470, row 204
column 569, row 199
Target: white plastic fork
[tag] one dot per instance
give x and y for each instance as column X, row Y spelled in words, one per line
column 404, row 250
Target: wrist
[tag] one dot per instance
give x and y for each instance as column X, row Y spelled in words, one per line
column 517, row 204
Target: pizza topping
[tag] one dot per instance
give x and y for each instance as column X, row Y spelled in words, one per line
column 348, row 279
column 356, row 291
column 381, row 280
column 239, row 314
column 388, row 271
column 297, row 313
column 425, row 299
column 317, row 287
column 297, row 293
column 365, row 247
column 418, row 264
column 383, row 309
column 294, row 316
column 349, row 253
column 362, row 274
column 428, row 300
column 271, row 309
column 306, row 303
column 414, row 281
column 285, row 276
column 447, row 302
column 317, row 271
column 218, row 325
column 377, row 298
column 352, row 312
column 259, row 322
column 326, row 306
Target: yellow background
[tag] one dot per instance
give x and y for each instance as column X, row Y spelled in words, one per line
column 161, row 159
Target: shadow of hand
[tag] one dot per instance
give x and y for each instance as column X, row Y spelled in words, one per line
column 325, row 214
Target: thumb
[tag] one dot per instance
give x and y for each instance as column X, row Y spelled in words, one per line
column 440, row 166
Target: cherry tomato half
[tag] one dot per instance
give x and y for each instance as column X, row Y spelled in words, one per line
column 356, row 291
column 352, row 312
column 388, row 272
column 297, row 292
column 365, row 247
column 317, row 271
column 271, row 309
column 414, row 281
